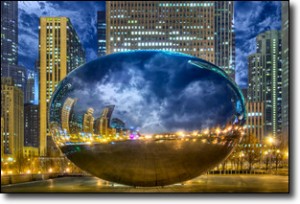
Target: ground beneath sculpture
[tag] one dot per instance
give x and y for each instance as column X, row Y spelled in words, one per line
column 202, row 184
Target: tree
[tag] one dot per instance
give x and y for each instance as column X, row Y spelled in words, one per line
column 251, row 150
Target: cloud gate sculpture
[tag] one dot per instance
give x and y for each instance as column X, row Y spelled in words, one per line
column 147, row 118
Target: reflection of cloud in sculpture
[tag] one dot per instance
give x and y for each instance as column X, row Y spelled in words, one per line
column 154, row 91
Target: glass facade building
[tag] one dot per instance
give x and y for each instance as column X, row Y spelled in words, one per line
column 31, row 125
column 9, row 32
column 101, row 33
column 265, row 79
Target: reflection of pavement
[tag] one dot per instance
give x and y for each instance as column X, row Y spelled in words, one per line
column 210, row 183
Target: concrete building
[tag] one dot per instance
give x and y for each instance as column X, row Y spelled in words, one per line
column 31, row 125
column 265, row 79
column 9, row 32
column 60, row 51
column 202, row 29
column 285, row 71
column 101, row 33
column 12, row 112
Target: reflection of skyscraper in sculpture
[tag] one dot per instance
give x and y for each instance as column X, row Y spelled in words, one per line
column 104, row 120
column 88, row 121
column 118, row 125
column 66, row 113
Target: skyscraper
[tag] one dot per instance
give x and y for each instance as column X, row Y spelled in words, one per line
column 31, row 125
column 17, row 73
column 12, row 112
column 265, row 79
column 202, row 29
column 9, row 32
column 285, row 70
column 101, row 33
column 60, row 51
column 225, row 37
column 31, row 85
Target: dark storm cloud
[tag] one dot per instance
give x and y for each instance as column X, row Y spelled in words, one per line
column 83, row 16
column 154, row 91
column 252, row 18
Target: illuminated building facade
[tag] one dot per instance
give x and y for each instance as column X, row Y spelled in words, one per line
column 31, row 125
column 265, row 79
column 29, row 152
column 60, row 51
column 101, row 33
column 9, row 32
column 285, row 70
column 225, row 37
column 255, row 120
column 66, row 113
column 202, row 29
column 2, row 137
column 12, row 112
column 88, row 121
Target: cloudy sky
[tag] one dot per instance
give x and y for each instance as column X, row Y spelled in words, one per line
column 251, row 18
column 149, row 94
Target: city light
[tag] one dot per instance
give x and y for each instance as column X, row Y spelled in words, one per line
column 270, row 140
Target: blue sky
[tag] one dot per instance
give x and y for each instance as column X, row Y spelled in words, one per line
column 251, row 18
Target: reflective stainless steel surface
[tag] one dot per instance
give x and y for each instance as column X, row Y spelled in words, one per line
column 147, row 118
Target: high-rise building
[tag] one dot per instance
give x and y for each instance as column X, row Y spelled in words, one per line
column 101, row 33
column 17, row 73
column 2, row 137
column 225, row 37
column 202, row 29
column 31, row 125
column 31, row 87
column 12, row 112
column 265, row 79
column 66, row 113
column 88, row 121
column 60, row 51
column 285, row 70
column 255, row 120
column 9, row 32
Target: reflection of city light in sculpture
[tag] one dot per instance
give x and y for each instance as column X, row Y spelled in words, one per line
column 147, row 118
